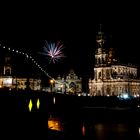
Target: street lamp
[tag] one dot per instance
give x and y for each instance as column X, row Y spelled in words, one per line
column 51, row 85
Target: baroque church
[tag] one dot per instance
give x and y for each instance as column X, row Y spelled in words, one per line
column 70, row 84
column 110, row 77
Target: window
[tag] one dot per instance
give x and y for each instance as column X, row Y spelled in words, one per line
column 107, row 74
column 99, row 75
column 72, row 85
column 99, row 61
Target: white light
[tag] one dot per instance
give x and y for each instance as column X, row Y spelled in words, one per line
column 8, row 48
column 7, row 81
column 4, row 47
column 17, row 51
column 135, row 96
column 54, row 100
column 125, row 96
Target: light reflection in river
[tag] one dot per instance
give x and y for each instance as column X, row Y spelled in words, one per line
column 108, row 131
column 54, row 100
column 83, row 130
column 55, row 124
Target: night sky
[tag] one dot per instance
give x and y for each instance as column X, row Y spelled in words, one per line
column 27, row 26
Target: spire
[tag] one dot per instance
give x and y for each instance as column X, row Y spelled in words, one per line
column 100, row 37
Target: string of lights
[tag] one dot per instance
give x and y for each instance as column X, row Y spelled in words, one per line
column 29, row 57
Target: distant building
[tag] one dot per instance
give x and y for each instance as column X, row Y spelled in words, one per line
column 110, row 77
column 70, row 84
column 7, row 80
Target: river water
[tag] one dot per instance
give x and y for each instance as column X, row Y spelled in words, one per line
column 94, row 123
column 67, row 118
column 94, row 127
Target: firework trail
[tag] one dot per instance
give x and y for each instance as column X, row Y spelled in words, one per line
column 53, row 51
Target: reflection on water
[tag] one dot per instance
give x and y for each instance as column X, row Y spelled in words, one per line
column 116, row 131
column 96, row 130
column 54, row 99
column 100, row 130
column 108, row 131
column 38, row 103
column 86, row 127
column 30, row 105
column 93, row 125
column 83, row 130
column 33, row 103
column 55, row 124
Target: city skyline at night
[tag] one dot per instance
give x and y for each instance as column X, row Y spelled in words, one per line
column 77, row 30
column 70, row 70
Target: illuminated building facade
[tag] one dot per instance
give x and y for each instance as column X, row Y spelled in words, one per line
column 110, row 77
column 70, row 84
column 12, row 82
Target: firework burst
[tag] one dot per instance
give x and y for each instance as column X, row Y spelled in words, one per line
column 53, row 51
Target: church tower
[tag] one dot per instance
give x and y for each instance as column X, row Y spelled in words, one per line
column 7, row 66
column 100, row 56
column 110, row 77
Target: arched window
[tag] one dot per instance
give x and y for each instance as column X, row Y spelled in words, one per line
column 99, row 60
column 103, row 61
column 107, row 74
column 99, row 75
column 108, row 90
column 72, row 87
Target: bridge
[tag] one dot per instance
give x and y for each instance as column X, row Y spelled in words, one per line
column 27, row 65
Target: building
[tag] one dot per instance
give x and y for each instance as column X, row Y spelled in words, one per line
column 8, row 81
column 70, row 84
column 110, row 77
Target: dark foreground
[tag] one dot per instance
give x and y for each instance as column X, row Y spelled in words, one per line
column 80, row 117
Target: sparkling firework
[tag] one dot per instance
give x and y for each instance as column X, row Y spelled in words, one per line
column 53, row 51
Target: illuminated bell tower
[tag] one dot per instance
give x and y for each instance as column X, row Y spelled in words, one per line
column 7, row 66
column 100, row 55
column 111, row 58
